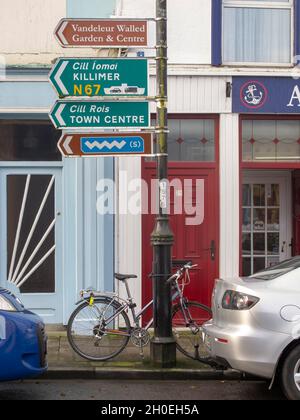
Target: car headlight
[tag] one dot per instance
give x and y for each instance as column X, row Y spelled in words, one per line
column 236, row 301
column 5, row 305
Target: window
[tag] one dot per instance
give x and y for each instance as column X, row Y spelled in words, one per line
column 26, row 140
column 260, row 226
column 191, row 140
column 271, row 140
column 90, row 9
column 257, row 31
column 42, row 277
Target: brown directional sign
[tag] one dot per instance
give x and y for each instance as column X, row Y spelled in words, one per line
column 115, row 144
column 102, row 33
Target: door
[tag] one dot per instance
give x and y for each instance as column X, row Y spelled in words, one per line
column 31, row 238
column 266, row 220
column 198, row 243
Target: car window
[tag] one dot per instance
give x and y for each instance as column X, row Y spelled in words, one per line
column 278, row 270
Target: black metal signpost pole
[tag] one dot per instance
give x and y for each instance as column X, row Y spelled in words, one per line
column 163, row 345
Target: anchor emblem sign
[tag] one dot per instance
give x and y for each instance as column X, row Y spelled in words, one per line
column 253, row 94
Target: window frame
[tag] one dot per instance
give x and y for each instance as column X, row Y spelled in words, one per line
column 288, row 5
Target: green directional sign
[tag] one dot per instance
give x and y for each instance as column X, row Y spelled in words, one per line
column 100, row 77
column 96, row 114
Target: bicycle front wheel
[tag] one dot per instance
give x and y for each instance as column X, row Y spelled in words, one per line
column 187, row 329
column 99, row 332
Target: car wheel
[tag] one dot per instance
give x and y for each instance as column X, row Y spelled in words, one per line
column 290, row 375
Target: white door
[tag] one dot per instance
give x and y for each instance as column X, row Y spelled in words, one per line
column 266, row 220
column 31, row 238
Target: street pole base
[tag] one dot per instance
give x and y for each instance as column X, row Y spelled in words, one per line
column 163, row 353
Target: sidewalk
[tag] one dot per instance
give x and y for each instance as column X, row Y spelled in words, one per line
column 65, row 364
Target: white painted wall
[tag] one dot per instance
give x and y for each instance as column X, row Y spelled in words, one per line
column 128, row 230
column 27, row 28
column 189, row 27
column 229, row 196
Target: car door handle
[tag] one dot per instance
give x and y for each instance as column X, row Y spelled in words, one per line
column 212, row 250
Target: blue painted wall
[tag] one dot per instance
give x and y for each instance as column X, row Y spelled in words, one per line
column 90, row 8
column 216, row 33
column 26, row 95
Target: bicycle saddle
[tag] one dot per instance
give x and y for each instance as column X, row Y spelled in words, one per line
column 122, row 277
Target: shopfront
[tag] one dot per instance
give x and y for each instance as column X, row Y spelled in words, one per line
column 269, row 138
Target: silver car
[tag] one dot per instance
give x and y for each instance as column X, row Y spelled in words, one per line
column 256, row 325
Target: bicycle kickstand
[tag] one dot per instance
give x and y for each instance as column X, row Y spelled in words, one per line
column 142, row 355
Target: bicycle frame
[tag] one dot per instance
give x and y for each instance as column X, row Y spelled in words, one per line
column 125, row 305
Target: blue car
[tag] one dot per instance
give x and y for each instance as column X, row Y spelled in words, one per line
column 23, row 342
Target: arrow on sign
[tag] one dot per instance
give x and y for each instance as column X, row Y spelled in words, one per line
column 66, row 145
column 60, row 32
column 58, row 116
column 58, row 75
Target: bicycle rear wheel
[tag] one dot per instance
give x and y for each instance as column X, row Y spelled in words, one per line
column 189, row 335
column 98, row 332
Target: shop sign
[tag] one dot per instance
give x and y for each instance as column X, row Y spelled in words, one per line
column 276, row 95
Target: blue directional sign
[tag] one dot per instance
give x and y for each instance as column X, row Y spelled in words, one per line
column 112, row 145
column 90, row 144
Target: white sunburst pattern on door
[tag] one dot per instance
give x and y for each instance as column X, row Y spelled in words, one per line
column 18, row 266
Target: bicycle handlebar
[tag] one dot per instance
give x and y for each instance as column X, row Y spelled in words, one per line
column 178, row 274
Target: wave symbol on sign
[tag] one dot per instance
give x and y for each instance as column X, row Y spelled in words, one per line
column 105, row 144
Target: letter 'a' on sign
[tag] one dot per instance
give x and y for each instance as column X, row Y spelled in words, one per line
column 96, row 114
column 102, row 33
column 103, row 77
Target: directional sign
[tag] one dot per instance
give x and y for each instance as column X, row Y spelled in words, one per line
column 132, row 144
column 95, row 114
column 100, row 77
column 102, row 33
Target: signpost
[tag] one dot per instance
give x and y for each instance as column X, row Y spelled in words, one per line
column 100, row 115
column 102, row 33
column 118, row 144
column 105, row 77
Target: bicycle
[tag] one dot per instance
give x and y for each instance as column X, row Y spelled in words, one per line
column 100, row 329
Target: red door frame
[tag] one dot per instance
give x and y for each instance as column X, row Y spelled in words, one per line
column 259, row 165
column 190, row 165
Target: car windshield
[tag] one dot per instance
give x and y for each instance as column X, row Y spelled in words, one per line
column 277, row 270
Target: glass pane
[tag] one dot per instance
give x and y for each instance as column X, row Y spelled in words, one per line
column 246, row 195
column 246, row 220
column 191, row 140
column 247, row 267
column 43, row 279
column 259, row 246
column 273, row 220
column 259, row 199
column 273, row 261
column 246, row 244
column 251, row 35
column 259, row 264
column 273, row 195
column 273, row 243
column 271, row 140
column 28, row 141
column 259, row 217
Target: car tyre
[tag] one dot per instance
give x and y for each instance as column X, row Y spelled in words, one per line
column 290, row 375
